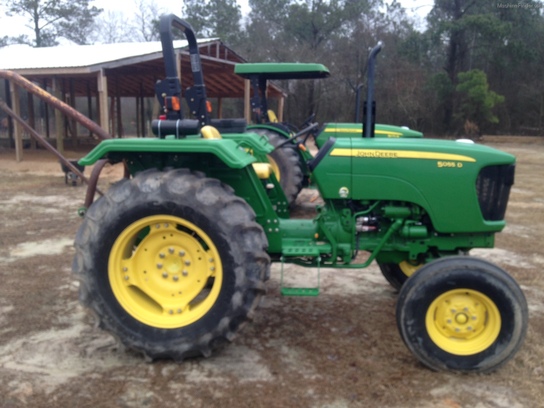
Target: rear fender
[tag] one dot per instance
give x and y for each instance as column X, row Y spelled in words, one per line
column 117, row 150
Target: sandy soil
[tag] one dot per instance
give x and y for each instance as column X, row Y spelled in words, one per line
column 341, row 349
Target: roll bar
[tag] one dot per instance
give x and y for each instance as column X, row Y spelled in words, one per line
column 169, row 89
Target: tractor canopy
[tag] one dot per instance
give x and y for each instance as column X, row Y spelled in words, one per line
column 285, row 70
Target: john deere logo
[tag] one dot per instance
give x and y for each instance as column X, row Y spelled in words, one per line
column 343, row 192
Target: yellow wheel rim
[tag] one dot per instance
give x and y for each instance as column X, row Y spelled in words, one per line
column 463, row 322
column 275, row 167
column 165, row 271
column 408, row 268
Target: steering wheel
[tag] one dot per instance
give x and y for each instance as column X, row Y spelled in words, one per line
column 306, row 131
column 309, row 120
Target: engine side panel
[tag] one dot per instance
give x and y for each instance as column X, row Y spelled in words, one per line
column 440, row 176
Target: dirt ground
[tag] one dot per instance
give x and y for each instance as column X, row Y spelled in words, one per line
column 340, row 349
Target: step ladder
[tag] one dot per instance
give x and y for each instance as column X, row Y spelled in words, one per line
column 311, row 251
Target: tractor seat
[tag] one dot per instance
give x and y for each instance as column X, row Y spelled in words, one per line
column 210, row 132
column 229, row 125
column 272, row 116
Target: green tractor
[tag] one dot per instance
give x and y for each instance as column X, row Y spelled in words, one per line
column 174, row 258
column 291, row 159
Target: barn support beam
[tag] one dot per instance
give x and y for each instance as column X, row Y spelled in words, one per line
column 18, row 131
column 89, row 105
column 247, row 98
column 59, row 120
column 31, row 118
column 102, row 83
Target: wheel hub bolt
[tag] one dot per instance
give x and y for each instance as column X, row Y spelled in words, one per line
column 164, row 275
column 181, row 253
column 171, row 250
column 161, row 255
column 159, row 265
column 187, row 263
column 185, row 273
column 176, row 278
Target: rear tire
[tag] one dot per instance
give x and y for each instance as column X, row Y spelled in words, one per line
column 285, row 162
column 462, row 314
column 172, row 263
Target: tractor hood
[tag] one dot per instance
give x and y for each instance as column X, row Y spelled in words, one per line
column 341, row 130
column 457, row 183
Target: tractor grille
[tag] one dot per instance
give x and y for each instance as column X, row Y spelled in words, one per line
column 493, row 187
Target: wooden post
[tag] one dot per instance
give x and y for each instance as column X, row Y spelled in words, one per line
column 89, row 104
column 72, row 122
column 120, row 130
column 138, row 134
column 31, row 118
column 102, row 82
column 45, row 111
column 178, row 64
column 7, row 90
column 142, row 111
column 247, row 102
column 59, row 119
column 18, row 131
column 112, row 116
column 281, row 105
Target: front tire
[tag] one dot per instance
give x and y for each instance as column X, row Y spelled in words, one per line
column 462, row 314
column 397, row 273
column 172, row 263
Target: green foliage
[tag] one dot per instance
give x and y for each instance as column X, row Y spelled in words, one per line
column 421, row 78
column 306, row 29
column 53, row 19
column 477, row 100
column 442, row 86
column 214, row 18
column 309, row 31
column 21, row 39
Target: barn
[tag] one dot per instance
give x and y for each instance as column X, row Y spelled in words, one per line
column 113, row 85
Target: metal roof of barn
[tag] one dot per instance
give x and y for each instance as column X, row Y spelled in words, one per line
column 89, row 57
column 131, row 69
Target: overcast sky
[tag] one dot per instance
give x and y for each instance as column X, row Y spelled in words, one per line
column 14, row 26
